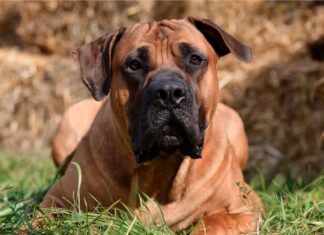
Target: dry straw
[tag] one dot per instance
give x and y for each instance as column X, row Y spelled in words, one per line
column 279, row 95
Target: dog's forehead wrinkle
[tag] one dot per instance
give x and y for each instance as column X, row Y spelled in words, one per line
column 155, row 29
column 162, row 25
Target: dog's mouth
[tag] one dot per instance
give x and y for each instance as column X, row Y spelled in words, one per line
column 168, row 138
column 172, row 140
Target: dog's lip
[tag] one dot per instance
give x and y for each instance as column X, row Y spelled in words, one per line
column 170, row 141
column 171, row 136
column 167, row 138
column 169, row 130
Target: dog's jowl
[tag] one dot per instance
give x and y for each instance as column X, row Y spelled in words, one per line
column 157, row 123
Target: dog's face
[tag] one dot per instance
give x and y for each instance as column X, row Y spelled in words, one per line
column 163, row 78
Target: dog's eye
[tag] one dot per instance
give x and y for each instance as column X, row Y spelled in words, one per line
column 135, row 65
column 195, row 60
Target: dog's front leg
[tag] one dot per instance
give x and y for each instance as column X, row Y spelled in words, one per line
column 153, row 213
column 178, row 215
column 222, row 223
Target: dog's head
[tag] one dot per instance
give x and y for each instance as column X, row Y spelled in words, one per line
column 162, row 77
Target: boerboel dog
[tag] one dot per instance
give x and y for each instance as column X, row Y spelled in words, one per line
column 158, row 129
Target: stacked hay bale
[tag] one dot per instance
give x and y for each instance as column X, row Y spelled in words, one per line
column 279, row 95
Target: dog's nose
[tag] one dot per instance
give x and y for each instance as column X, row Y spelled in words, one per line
column 170, row 93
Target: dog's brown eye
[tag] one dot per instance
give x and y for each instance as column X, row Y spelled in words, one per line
column 195, row 60
column 135, row 65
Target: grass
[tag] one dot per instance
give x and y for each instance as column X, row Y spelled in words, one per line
column 293, row 207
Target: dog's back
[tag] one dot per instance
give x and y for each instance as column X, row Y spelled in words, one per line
column 75, row 123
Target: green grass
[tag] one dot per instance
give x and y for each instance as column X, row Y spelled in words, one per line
column 293, row 207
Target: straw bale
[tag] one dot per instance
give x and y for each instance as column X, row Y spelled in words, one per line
column 279, row 95
column 282, row 108
column 35, row 90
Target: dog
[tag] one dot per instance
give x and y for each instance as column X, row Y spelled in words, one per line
column 158, row 128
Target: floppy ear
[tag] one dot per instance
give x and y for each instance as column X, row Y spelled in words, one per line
column 222, row 42
column 94, row 60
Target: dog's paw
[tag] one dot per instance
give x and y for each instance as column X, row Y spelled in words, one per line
column 150, row 213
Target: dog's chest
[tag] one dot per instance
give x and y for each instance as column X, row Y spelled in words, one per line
column 157, row 178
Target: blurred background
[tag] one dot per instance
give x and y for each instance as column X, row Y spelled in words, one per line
column 280, row 95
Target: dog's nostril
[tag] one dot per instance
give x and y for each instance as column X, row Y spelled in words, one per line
column 162, row 94
column 178, row 93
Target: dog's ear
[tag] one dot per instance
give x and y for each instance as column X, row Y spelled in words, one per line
column 94, row 60
column 222, row 42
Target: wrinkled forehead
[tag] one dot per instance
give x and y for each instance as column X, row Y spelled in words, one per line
column 169, row 33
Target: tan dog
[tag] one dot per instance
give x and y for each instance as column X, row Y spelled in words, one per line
column 160, row 130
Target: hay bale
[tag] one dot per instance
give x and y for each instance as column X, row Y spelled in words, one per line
column 35, row 90
column 279, row 95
